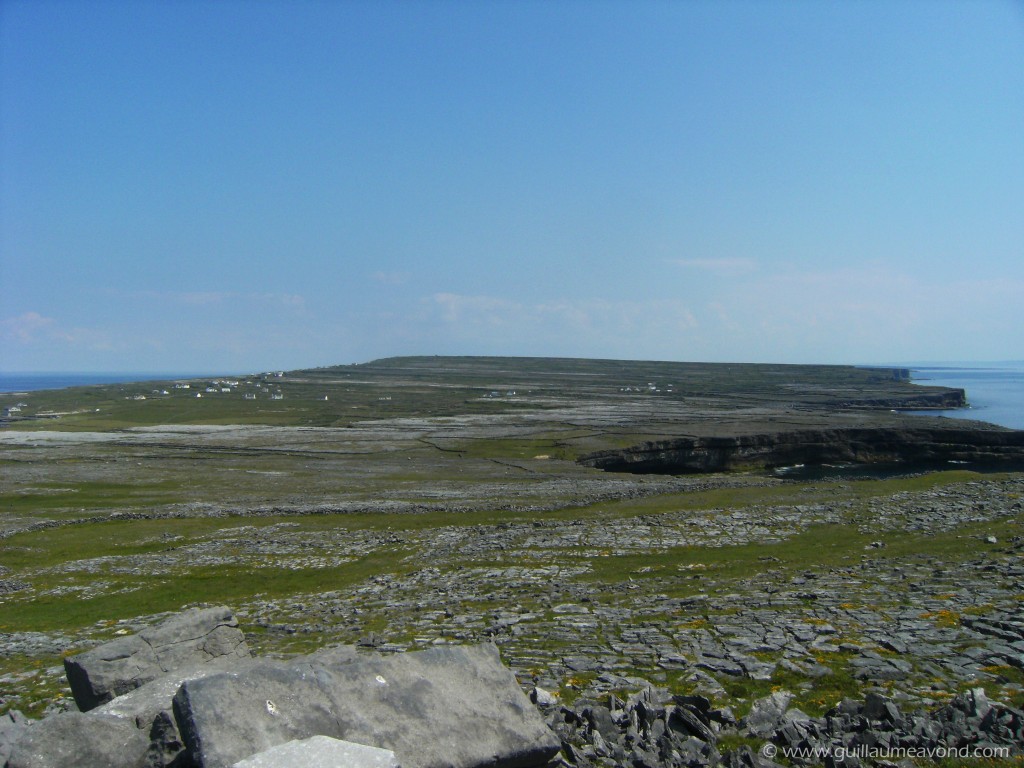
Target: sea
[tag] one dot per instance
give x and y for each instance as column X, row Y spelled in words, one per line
column 995, row 392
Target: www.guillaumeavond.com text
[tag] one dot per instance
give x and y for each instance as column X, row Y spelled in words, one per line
column 865, row 752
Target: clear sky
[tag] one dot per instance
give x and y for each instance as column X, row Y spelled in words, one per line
column 236, row 186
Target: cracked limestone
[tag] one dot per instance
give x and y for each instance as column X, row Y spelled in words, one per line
column 188, row 639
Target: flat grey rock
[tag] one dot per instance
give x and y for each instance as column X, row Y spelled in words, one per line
column 767, row 714
column 12, row 726
column 321, row 752
column 150, row 707
column 447, row 707
column 73, row 739
column 184, row 640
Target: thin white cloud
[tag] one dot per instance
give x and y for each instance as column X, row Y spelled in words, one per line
column 289, row 300
column 855, row 314
column 391, row 278
column 26, row 327
column 456, row 308
column 723, row 267
column 201, row 297
column 867, row 314
column 237, row 299
column 571, row 327
column 34, row 329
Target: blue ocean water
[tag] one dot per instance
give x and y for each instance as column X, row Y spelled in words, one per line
column 995, row 393
column 32, row 382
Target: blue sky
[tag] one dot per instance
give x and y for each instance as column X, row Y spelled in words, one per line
column 258, row 185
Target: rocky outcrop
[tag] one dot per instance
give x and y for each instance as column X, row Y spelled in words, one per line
column 655, row 729
column 925, row 447
column 460, row 707
column 445, row 707
column 187, row 640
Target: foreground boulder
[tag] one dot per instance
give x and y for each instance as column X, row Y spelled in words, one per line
column 12, row 727
column 78, row 739
column 149, row 708
column 451, row 707
column 186, row 640
column 321, row 752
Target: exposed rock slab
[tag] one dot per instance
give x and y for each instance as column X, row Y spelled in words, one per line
column 12, row 727
column 185, row 640
column 80, row 739
column 321, row 752
column 455, row 707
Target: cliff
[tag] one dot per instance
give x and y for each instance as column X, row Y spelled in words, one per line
column 924, row 446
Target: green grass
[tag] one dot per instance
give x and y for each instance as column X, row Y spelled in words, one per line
column 785, row 493
column 819, row 546
column 209, row 584
column 673, row 569
column 515, row 448
column 449, row 386
column 88, row 495
column 35, row 692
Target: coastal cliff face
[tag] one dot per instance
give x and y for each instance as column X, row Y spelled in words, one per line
column 868, row 445
column 938, row 398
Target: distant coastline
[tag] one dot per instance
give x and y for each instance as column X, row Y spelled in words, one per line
column 34, row 382
column 995, row 391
